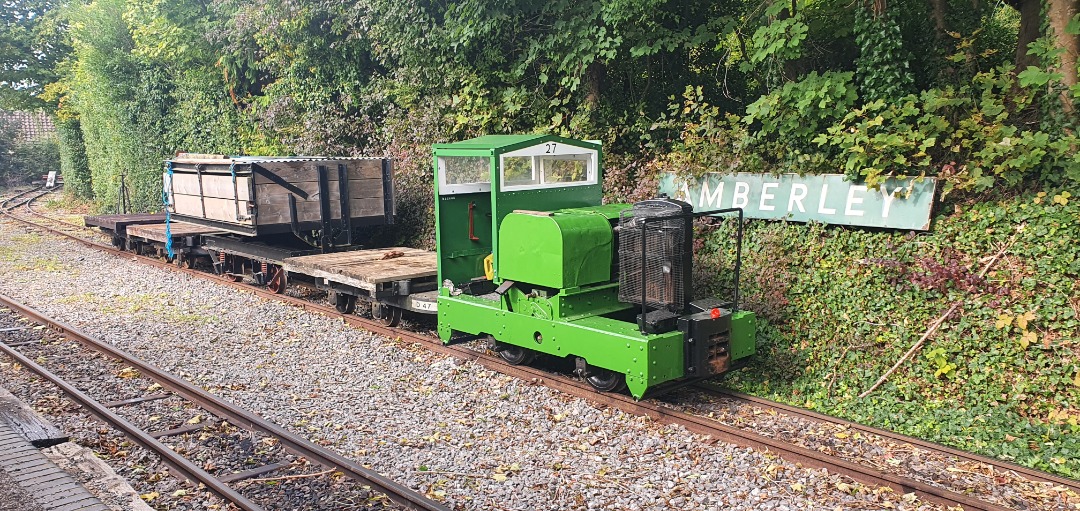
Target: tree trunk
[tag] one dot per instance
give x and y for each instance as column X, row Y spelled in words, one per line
column 594, row 84
column 1030, row 18
column 1059, row 13
column 937, row 10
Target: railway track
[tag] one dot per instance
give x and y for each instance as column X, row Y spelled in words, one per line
column 935, row 493
column 20, row 199
column 215, row 410
column 961, row 456
column 29, row 206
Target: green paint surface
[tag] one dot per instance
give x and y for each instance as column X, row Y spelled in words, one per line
column 567, row 248
column 743, row 335
column 646, row 360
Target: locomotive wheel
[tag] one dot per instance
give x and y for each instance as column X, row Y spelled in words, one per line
column 345, row 304
column 516, row 355
column 386, row 314
column 278, row 281
column 606, row 381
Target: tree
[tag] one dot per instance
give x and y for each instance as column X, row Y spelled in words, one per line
column 1063, row 20
column 31, row 45
column 1063, row 27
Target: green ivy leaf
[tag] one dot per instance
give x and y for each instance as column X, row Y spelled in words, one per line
column 1035, row 77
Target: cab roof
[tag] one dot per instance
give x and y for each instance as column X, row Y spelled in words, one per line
column 504, row 143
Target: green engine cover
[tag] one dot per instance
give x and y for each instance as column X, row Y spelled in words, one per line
column 561, row 249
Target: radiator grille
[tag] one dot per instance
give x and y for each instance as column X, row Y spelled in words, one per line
column 663, row 262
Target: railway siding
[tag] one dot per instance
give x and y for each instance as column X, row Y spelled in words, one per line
column 459, row 432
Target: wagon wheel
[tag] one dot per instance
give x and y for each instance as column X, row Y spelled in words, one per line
column 605, row 380
column 221, row 262
column 231, row 277
column 278, row 280
column 344, row 303
column 386, row 314
column 515, row 355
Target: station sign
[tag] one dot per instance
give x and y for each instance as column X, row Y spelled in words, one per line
column 903, row 202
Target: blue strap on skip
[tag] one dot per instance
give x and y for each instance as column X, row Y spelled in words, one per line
column 165, row 194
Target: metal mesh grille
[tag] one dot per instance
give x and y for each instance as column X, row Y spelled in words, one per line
column 664, row 242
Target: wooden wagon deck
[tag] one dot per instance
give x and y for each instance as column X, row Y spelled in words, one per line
column 119, row 223
column 366, row 269
column 156, row 232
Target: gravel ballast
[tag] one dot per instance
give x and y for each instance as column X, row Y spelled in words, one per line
column 465, row 435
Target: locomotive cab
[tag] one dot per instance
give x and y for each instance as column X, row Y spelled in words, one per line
column 530, row 256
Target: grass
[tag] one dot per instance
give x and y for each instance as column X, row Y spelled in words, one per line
column 49, row 264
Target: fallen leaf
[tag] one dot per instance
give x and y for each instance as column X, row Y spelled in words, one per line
column 150, row 496
column 500, row 477
column 195, row 420
column 841, row 436
column 39, row 327
column 797, row 487
column 1027, row 339
column 179, row 493
column 844, row 487
column 1009, row 438
column 1003, row 321
column 128, row 372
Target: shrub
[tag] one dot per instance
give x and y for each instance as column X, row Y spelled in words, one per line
column 73, row 163
column 29, row 160
column 969, row 136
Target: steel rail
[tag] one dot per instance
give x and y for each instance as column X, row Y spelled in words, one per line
column 43, row 215
column 181, row 465
column 579, row 389
column 768, row 404
column 4, row 204
column 234, row 414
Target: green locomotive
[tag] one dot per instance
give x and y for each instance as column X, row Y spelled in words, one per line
column 528, row 254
